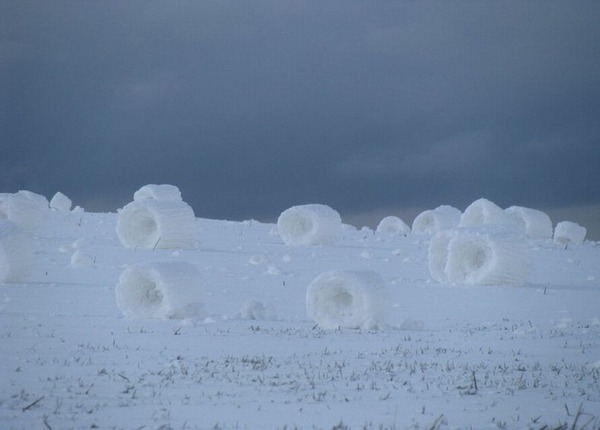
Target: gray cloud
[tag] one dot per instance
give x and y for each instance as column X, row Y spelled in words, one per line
column 252, row 107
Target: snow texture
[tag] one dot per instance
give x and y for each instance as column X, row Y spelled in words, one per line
column 309, row 225
column 485, row 212
column 537, row 224
column 61, row 203
column 153, row 224
column 568, row 232
column 347, row 299
column 160, row 290
column 392, row 226
column 158, row 192
column 26, row 209
column 433, row 221
column 479, row 256
column 16, row 253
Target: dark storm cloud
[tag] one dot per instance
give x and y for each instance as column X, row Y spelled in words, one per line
column 250, row 107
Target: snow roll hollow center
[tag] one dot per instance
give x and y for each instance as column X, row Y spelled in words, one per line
column 347, row 299
column 143, row 228
column 469, row 258
column 298, row 225
column 339, row 301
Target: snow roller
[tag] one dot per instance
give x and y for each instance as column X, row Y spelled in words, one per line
column 433, row 221
column 160, row 290
column 491, row 255
column 151, row 223
column 347, row 299
column 309, row 225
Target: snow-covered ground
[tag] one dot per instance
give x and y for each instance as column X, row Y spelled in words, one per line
column 447, row 356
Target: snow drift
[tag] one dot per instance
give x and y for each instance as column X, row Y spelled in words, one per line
column 151, row 223
column 485, row 256
column 537, row 224
column 312, row 224
column 25, row 208
column 16, row 252
column 158, row 192
column 485, row 212
column 432, row 221
column 160, row 290
column 392, row 226
column 347, row 299
column 567, row 232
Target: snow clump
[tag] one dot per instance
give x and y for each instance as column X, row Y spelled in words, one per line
column 479, row 256
column 25, row 208
column 16, row 252
column 347, row 299
column 432, row 221
column 153, row 224
column 158, row 192
column 537, row 224
column 61, row 203
column 160, row 290
column 309, row 225
column 568, row 232
column 392, row 226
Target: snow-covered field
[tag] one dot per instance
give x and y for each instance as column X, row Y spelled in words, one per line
column 446, row 356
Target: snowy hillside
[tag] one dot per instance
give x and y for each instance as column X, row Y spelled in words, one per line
column 228, row 341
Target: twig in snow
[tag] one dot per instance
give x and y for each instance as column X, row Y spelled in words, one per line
column 437, row 422
column 156, row 244
column 31, row 405
column 46, row 422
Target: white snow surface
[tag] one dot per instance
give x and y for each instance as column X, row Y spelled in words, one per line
column 448, row 356
column 16, row 252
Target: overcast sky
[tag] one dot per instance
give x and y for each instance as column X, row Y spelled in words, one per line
column 250, row 107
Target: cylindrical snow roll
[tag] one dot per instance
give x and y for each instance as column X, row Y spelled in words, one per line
column 160, row 290
column 568, row 232
column 393, row 226
column 158, row 192
column 153, row 224
column 537, row 224
column 435, row 220
column 312, row 224
column 347, row 299
column 61, row 203
column 438, row 255
column 16, row 252
column 487, row 256
column 485, row 212
column 26, row 209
